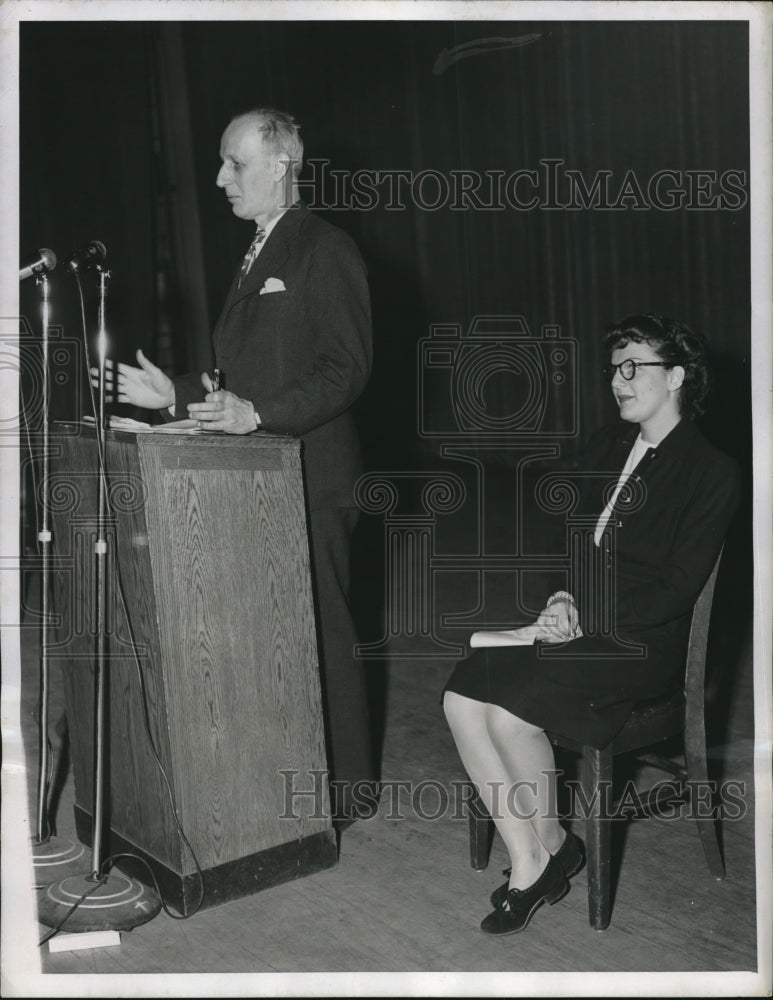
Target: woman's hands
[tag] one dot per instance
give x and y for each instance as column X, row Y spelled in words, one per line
column 559, row 620
column 146, row 386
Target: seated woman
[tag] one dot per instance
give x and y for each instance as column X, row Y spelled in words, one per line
column 500, row 700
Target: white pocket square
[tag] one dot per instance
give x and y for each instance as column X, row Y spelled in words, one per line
column 273, row 285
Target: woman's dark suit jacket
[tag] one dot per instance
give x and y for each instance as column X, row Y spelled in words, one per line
column 634, row 600
column 669, row 524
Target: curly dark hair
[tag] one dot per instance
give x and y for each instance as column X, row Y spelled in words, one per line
column 676, row 344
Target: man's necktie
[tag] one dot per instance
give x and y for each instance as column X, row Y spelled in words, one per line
column 252, row 253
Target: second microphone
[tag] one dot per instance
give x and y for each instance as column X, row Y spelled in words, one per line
column 90, row 256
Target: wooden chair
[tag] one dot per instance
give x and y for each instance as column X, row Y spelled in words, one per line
column 650, row 723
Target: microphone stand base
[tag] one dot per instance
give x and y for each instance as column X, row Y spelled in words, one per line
column 51, row 859
column 120, row 904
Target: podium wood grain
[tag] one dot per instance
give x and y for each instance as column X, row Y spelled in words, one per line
column 208, row 538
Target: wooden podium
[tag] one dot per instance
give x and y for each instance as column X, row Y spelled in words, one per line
column 211, row 657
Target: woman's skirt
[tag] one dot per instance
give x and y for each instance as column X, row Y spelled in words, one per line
column 583, row 690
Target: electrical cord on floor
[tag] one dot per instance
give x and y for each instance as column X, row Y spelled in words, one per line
column 73, row 908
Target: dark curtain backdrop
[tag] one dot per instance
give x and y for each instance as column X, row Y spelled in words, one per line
column 110, row 111
column 614, row 97
column 87, row 171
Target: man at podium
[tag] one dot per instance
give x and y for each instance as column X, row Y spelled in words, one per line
column 294, row 341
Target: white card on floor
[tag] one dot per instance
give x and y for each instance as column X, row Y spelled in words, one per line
column 88, row 939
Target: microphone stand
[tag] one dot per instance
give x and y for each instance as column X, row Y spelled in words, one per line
column 100, row 551
column 114, row 900
column 49, row 852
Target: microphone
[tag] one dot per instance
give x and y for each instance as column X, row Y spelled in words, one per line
column 37, row 263
column 89, row 256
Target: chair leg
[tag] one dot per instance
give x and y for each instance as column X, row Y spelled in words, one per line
column 597, row 788
column 698, row 777
column 480, row 824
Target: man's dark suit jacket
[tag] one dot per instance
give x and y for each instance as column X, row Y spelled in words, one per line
column 301, row 355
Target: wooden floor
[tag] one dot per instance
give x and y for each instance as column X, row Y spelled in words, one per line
column 403, row 898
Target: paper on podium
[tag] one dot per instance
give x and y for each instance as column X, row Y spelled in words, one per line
column 175, row 427
column 524, row 636
column 127, row 424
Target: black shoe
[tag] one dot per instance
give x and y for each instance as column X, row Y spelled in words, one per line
column 520, row 905
column 569, row 855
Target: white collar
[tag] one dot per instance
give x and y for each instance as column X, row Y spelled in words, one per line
column 269, row 226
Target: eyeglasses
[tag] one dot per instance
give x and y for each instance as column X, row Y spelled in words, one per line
column 628, row 368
